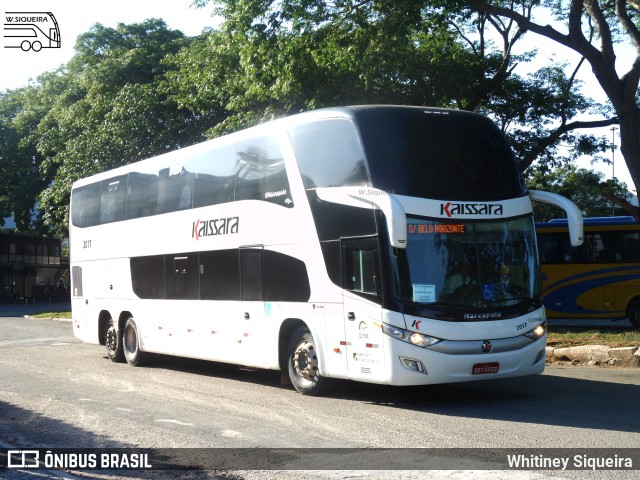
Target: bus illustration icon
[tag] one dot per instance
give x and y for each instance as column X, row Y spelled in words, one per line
column 31, row 31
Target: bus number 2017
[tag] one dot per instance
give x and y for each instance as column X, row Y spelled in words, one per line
column 86, row 244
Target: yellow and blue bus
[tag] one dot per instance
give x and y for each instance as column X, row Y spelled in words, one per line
column 600, row 278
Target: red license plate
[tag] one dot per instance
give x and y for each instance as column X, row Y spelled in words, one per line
column 484, row 368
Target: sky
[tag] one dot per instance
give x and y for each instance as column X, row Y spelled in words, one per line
column 75, row 17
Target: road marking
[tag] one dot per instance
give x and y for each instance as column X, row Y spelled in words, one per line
column 177, row 422
column 230, row 434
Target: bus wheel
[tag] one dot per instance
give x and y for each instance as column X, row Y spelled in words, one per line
column 25, row 45
column 634, row 313
column 131, row 343
column 302, row 359
column 113, row 342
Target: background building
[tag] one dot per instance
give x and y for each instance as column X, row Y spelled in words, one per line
column 32, row 266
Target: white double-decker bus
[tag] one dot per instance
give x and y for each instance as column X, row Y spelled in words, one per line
column 392, row 245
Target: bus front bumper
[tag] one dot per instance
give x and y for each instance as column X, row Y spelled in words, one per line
column 412, row 365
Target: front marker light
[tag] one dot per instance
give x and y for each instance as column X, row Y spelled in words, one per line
column 392, row 331
column 414, row 338
column 537, row 332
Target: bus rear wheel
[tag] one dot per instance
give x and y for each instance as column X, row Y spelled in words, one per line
column 113, row 341
column 302, row 359
column 634, row 313
column 131, row 343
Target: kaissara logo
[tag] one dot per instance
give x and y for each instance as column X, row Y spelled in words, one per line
column 31, row 31
column 213, row 227
column 457, row 209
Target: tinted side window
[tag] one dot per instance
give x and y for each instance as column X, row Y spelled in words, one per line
column 550, row 248
column 629, row 247
column 260, row 172
column 361, row 266
column 329, row 154
column 86, row 205
column 113, row 199
column 142, row 194
column 215, row 177
column 175, row 187
column 285, row 278
column 220, row 275
column 181, row 276
column 251, row 274
column 147, row 276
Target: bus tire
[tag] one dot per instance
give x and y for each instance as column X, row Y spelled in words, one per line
column 113, row 341
column 634, row 313
column 131, row 343
column 302, row 359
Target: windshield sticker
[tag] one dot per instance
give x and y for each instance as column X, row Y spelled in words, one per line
column 424, row 293
column 426, row 229
column 489, row 292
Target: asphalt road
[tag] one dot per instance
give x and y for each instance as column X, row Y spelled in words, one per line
column 57, row 392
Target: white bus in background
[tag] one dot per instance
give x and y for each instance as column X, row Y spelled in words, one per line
column 31, row 31
column 383, row 244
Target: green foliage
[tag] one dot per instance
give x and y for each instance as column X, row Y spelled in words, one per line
column 586, row 188
column 140, row 90
column 110, row 105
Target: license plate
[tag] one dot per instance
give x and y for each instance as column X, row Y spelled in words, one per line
column 484, row 368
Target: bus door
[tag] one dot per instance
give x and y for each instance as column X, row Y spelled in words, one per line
column 53, row 38
column 362, row 309
column 251, row 316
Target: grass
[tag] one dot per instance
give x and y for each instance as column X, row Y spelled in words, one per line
column 575, row 336
column 51, row 315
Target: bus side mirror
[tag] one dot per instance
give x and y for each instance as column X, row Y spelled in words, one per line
column 367, row 197
column 574, row 215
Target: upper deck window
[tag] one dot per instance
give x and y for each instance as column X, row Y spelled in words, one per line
column 329, row 154
column 440, row 155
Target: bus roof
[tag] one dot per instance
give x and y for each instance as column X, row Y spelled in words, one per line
column 350, row 112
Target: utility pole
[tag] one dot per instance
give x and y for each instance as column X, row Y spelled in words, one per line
column 613, row 150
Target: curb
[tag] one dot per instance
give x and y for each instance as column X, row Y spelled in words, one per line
column 55, row 319
column 628, row 357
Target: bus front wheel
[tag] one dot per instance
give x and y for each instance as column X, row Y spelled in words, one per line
column 634, row 313
column 302, row 359
column 113, row 341
column 131, row 343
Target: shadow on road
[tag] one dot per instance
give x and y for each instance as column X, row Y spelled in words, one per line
column 18, row 425
column 549, row 399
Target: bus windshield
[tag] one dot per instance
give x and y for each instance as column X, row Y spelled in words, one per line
column 477, row 265
column 429, row 154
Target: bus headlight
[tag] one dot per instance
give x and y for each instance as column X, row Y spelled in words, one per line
column 537, row 332
column 414, row 338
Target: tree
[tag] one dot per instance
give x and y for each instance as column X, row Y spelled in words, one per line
column 590, row 23
column 585, row 187
column 116, row 107
column 21, row 111
column 294, row 55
